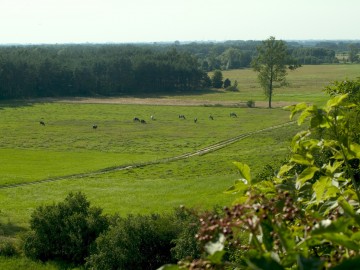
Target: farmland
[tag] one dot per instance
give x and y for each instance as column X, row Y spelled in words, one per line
column 72, row 156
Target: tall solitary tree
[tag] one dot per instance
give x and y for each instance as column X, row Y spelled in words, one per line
column 270, row 62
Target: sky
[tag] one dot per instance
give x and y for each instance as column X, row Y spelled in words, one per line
column 132, row 21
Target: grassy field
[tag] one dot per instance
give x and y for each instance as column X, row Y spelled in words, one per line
column 68, row 146
column 305, row 84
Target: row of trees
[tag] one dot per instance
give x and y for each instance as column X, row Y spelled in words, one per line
column 43, row 71
column 79, row 70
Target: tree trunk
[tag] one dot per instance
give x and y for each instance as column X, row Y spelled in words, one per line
column 270, row 90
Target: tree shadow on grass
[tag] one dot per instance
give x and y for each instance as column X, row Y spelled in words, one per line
column 14, row 104
column 10, row 229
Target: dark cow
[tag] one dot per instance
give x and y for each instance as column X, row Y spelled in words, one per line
column 195, row 120
column 233, row 114
column 42, row 123
column 136, row 119
column 181, row 116
column 94, row 126
column 142, row 121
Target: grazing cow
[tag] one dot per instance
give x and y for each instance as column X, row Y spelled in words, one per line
column 195, row 120
column 94, row 126
column 142, row 121
column 181, row 116
column 233, row 114
column 42, row 123
column 136, row 119
column 152, row 117
column 211, row 117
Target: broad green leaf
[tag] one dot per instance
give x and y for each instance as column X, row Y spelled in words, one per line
column 324, row 189
column 284, row 169
column 346, row 206
column 311, row 144
column 244, row 170
column 341, row 239
column 306, row 113
column 217, row 257
column 267, row 239
column 299, row 159
column 240, row 200
column 239, row 187
column 295, row 108
column 266, row 187
column 356, row 237
column 295, row 142
column 355, row 150
column 336, row 101
column 331, row 168
column 306, row 175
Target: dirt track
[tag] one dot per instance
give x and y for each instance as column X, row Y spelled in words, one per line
column 161, row 101
column 203, row 151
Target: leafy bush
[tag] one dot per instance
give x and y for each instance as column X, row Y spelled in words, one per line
column 217, row 79
column 307, row 216
column 7, row 248
column 147, row 242
column 185, row 242
column 227, row 83
column 233, row 88
column 64, row 231
column 250, row 103
column 135, row 242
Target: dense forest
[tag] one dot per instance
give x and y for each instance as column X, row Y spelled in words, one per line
column 115, row 69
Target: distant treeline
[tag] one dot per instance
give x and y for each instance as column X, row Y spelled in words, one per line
column 83, row 70
column 115, row 69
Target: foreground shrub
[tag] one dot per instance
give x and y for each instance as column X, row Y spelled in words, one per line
column 7, row 248
column 135, row 242
column 147, row 242
column 307, row 216
column 64, row 231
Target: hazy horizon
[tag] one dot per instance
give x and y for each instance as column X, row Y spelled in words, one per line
column 140, row 21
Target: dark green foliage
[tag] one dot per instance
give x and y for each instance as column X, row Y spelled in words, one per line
column 64, row 231
column 147, row 242
column 217, row 79
column 205, row 81
column 233, row 87
column 185, row 242
column 270, row 61
column 227, row 83
column 353, row 53
column 82, row 70
column 7, row 248
column 136, row 242
column 250, row 103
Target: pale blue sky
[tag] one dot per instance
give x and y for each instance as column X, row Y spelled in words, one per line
column 100, row 21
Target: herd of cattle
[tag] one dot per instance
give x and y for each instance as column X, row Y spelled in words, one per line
column 142, row 121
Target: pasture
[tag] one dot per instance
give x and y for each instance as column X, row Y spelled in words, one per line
column 72, row 156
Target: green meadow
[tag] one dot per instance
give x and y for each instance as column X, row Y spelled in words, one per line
column 67, row 154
